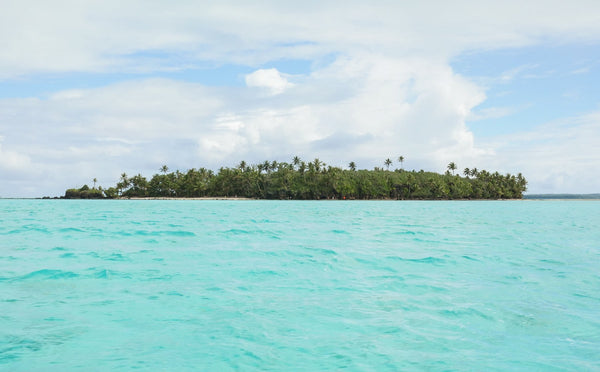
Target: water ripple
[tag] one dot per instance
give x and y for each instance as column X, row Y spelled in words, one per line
column 268, row 285
column 45, row 274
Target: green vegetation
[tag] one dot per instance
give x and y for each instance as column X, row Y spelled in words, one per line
column 85, row 193
column 314, row 180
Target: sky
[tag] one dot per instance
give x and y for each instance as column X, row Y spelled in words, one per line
column 92, row 89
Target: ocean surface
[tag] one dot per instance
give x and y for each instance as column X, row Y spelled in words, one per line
column 299, row 285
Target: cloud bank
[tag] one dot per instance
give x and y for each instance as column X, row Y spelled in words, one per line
column 354, row 110
column 387, row 90
column 140, row 35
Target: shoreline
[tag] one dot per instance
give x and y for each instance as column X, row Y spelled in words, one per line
column 234, row 198
column 231, row 198
column 184, row 198
column 242, row 198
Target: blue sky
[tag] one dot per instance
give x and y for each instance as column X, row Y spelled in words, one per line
column 43, row 84
column 535, row 84
column 94, row 89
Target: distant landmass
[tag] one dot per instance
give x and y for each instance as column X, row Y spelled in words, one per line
column 312, row 181
column 562, row 196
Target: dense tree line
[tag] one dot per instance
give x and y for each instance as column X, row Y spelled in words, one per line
column 314, row 180
column 85, row 193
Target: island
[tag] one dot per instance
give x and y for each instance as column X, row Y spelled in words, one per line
column 314, row 180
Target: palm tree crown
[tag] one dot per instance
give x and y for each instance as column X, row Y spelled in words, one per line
column 401, row 160
column 296, row 160
column 387, row 163
column 452, row 167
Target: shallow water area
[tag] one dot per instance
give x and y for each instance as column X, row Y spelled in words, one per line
column 299, row 285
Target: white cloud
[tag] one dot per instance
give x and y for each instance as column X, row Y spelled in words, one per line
column 491, row 113
column 13, row 161
column 554, row 157
column 270, row 79
column 517, row 71
column 579, row 71
column 110, row 35
column 357, row 109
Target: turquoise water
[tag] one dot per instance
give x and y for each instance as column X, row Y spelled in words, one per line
column 305, row 286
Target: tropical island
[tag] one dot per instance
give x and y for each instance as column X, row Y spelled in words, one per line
column 312, row 180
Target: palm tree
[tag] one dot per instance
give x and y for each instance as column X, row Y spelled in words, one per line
column 352, row 166
column 123, row 184
column 302, row 167
column 296, row 160
column 467, row 172
column 452, row 167
column 387, row 163
column 267, row 166
column 521, row 182
column 242, row 165
column 164, row 169
column 401, row 160
column 317, row 164
column 95, row 180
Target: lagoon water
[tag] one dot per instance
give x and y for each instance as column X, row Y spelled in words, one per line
column 305, row 286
